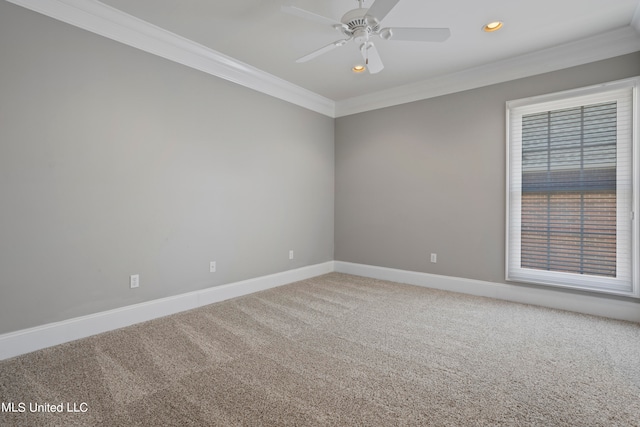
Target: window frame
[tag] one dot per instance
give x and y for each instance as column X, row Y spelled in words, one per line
column 551, row 102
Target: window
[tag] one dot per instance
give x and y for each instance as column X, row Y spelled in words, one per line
column 572, row 189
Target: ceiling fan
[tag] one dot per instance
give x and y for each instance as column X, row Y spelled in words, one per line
column 361, row 25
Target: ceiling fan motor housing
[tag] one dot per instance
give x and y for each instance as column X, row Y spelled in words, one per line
column 359, row 25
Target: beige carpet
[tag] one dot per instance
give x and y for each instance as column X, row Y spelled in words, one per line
column 340, row 350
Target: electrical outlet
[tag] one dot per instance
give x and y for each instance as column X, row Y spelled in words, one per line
column 290, row 254
column 134, row 280
column 212, row 267
column 434, row 258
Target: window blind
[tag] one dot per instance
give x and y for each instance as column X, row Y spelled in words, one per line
column 570, row 190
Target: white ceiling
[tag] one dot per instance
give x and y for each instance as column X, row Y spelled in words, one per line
column 538, row 36
column 258, row 33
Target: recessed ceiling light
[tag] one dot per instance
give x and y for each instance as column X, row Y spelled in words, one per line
column 358, row 68
column 492, row 26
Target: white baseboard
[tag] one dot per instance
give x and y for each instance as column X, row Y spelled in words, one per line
column 27, row 340
column 580, row 303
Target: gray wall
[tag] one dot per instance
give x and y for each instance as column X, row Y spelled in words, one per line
column 115, row 162
column 429, row 176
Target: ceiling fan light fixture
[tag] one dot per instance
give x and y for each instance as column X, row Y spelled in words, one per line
column 358, row 68
column 492, row 26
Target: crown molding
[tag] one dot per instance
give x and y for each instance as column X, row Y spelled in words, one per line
column 104, row 20
column 635, row 21
column 603, row 46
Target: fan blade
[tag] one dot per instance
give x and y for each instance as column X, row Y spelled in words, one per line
column 322, row 50
column 419, row 34
column 380, row 8
column 305, row 14
column 371, row 58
